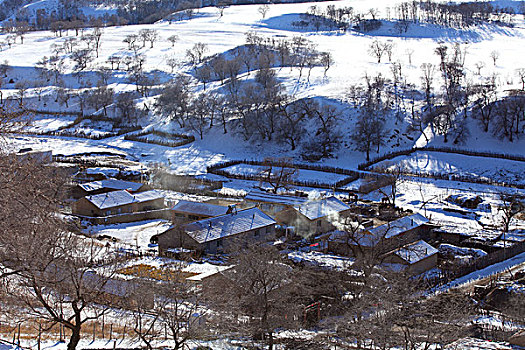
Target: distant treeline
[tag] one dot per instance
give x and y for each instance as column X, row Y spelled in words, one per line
column 69, row 15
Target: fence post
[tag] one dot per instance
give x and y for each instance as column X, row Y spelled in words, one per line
column 39, row 339
column 18, row 335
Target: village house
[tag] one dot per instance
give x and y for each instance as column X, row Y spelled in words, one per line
column 383, row 238
column 192, row 211
column 118, row 202
column 216, row 234
column 414, row 258
column 109, row 185
column 307, row 216
column 313, row 217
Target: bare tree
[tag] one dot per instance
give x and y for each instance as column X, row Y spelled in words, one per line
column 278, row 172
column 196, row 54
column 22, row 28
column 494, row 55
column 200, row 111
column 510, row 206
column 263, row 10
column 204, row 74
column 377, row 49
column 176, row 99
column 409, row 53
column 148, row 35
column 131, row 40
column 128, row 111
column 21, row 87
column 260, row 289
column 484, row 104
column 388, row 48
column 173, row 39
column 52, row 271
column 394, row 178
column 82, row 58
column 479, row 66
column 101, row 97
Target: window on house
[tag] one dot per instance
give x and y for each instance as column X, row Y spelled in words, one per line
column 319, row 223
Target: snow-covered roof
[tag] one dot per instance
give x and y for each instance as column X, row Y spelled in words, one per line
column 415, row 252
column 112, row 184
column 321, row 207
column 261, row 196
column 228, row 225
column 199, row 208
column 118, row 198
column 210, row 272
column 399, row 226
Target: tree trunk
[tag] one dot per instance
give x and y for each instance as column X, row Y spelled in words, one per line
column 75, row 338
column 270, row 340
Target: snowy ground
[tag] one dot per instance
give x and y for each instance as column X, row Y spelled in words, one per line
column 352, row 62
column 134, row 234
column 428, row 197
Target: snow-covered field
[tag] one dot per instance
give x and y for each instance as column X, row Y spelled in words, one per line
column 222, row 33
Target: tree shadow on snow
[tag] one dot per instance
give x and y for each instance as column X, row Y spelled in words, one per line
column 420, row 30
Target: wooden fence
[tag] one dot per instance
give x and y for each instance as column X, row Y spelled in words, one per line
column 128, row 217
column 477, row 264
column 351, row 175
column 172, row 139
column 441, row 176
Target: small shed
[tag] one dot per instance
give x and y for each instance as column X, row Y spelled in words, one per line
column 416, row 257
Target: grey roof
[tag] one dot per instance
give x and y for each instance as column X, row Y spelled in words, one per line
column 261, row 196
column 370, row 238
column 199, row 208
column 112, row 184
column 228, row 225
column 321, row 207
column 414, row 252
column 399, row 226
column 118, row 198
